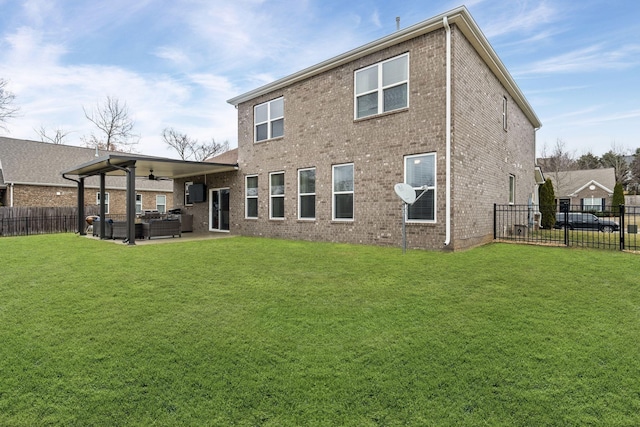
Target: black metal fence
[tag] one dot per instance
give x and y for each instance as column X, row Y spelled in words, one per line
column 616, row 227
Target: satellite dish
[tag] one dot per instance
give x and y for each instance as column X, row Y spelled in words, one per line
column 405, row 192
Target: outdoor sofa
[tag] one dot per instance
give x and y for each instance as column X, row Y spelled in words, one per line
column 161, row 227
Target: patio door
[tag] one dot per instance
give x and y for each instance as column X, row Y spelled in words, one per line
column 219, row 209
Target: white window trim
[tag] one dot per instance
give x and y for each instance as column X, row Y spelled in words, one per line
column 505, row 110
column 334, row 193
column 434, row 187
column 138, row 195
column 186, row 193
column 300, row 194
column 380, row 89
column 161, row 204
column 268, row 121
column 512, row 189
column 247, row 197
column 106, row 201
column 272, row 196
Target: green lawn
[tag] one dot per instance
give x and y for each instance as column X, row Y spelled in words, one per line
column 260, row 332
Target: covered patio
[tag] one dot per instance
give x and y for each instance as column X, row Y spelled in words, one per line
column 132, row 166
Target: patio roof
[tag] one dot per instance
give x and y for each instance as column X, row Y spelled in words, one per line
column 161, row 167
column 134, row 166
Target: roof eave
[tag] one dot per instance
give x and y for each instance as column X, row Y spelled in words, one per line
column 459, row 16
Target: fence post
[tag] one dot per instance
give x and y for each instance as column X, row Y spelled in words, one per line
column 495, row 208
column 565, row 209
column 622, row 215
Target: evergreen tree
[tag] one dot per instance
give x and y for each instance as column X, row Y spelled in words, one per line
column 618, row 199
column 547, row 204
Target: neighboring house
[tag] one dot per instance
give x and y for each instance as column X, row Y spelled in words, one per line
column 30, row 177
column 588, row 190
column 319, row 151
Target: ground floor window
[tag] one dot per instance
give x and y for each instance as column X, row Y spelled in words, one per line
column 106, row 201
column 307, row 193
column 276, row 195
column 512, row 189
column 592, row 204
column 161, row 203
column 420, row 173
column 251, row 196
column 343, row 190
column 187, row 195
column 138, row 203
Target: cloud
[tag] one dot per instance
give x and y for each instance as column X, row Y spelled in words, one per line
column 173, row 55
column 588, row 59
column 519, row 18
column 618, row 116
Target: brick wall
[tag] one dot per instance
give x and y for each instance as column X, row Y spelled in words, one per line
column 586, row 193
column 41, row 196
column 320, row 131
column 483, row 153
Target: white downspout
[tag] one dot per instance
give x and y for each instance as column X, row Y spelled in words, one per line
column 447, row 239
column 11, row 195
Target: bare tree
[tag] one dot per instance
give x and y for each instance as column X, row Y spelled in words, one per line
column 57, row 137
column 205, row 150
column 179, row 142
column 558, row 163
column 115, row 126
column 191, row 149
column 8, row 109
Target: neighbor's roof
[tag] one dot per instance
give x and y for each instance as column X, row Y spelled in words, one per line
column 25, row 162
column 571, row 182
column 459, row 16
column 230, row 156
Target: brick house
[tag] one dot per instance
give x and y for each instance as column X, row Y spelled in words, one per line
column 319, row 151
column 30, row 177
column 588, row 189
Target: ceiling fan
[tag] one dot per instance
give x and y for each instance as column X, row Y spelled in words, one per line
column 153, row 177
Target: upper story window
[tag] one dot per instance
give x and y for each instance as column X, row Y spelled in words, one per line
column 268, row 120
column 504, row 113
column 382, row 87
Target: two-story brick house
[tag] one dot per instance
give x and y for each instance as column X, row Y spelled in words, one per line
column 319, row 151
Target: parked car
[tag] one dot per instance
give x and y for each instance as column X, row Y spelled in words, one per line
column 586, row 221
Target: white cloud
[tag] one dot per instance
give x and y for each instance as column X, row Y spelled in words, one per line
column 517, row 17
column 588, row 59
column 173, row 55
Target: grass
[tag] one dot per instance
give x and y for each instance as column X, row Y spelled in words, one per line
column 260, row 332
column 583, row 238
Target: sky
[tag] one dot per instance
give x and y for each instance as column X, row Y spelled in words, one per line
column 175, row 63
